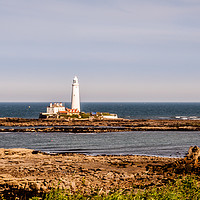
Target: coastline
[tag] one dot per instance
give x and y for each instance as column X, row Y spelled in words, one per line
column 25, row 173
column 28, row 171
column 95, row 126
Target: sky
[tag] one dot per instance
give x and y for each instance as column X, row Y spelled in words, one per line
column 121, row 50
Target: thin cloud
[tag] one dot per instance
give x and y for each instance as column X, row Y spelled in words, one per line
column 148, row 42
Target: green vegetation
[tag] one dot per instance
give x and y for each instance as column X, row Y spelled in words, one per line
column 84, row 115
column 105, row 114
column 65, row 116
column 73, row 116
column 185, row 188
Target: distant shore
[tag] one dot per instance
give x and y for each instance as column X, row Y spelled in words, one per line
column 95, row 126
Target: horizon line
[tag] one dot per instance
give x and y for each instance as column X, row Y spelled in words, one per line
column 101, row 102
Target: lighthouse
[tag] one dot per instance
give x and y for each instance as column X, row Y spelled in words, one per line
column 75, row 104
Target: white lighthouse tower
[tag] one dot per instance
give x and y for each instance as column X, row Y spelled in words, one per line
column 75, row 94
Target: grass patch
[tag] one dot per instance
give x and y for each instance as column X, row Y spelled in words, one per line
column 84, row 115
column 184, row 189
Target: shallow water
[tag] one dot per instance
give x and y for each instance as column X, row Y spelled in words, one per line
column 156, row 143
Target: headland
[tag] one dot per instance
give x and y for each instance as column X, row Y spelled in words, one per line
column 95, row 125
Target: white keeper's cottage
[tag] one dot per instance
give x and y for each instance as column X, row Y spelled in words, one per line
column 55, row 108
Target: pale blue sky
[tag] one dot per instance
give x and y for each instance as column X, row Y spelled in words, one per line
column 121, row 50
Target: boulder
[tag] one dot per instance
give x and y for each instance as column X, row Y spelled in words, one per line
column 188, row 165
column 193, row 156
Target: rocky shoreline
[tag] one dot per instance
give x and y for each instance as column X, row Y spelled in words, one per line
column 25, row 173
column 91, row 126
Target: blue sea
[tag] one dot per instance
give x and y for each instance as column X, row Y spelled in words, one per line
column 157, row 143
column 124, row 110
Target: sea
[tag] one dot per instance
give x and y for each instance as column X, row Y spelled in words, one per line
column 150, row 143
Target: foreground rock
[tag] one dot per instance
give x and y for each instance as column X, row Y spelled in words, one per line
column 25, row 173
column 189, row 165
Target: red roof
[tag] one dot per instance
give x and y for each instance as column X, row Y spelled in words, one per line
column 73, row 110
column 62, row 111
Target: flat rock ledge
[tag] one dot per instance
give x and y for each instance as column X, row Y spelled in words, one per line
column 25, row 173
column 95, row 126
